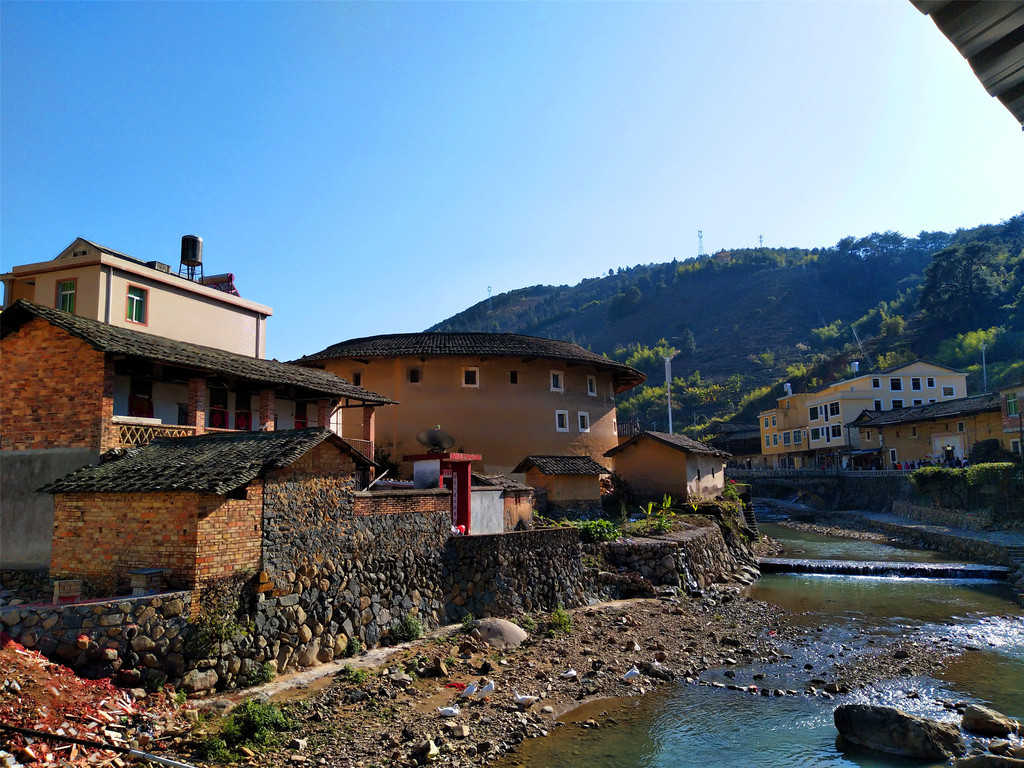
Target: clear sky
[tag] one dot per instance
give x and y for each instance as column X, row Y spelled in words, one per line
column 371, row 168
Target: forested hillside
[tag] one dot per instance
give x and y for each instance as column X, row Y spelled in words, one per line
column 741, row 322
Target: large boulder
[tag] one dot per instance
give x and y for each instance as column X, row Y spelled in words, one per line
column 499, row 633
column 891, row 730
column 983, row 721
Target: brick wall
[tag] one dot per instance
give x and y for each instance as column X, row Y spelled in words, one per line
column 56, row 400
column 101, row 536
column 402, row 502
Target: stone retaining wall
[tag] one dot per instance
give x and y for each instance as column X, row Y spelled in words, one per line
column 977, row 520
column 139, row 640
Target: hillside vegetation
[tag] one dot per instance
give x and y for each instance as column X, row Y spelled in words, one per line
column 741, row 322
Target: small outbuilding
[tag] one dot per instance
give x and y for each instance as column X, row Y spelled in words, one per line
column 564, row 484
column 657, row 463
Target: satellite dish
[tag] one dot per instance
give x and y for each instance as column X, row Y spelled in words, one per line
column 435, row 441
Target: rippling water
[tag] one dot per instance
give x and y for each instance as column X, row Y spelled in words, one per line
column 692, row 725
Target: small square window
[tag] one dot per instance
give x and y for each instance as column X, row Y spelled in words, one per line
column 136, row 304
column 918, row 401
column 357, row 378
column 948, row 391
column 813, row 413
column 876, row 383
column 816, row 433
column 584, row 421
column 561, row 421
column 897, row 404
column 931, row 382
column 557, row 381
column 915, row 383
column 895, row 385
column 513, row 377
column 837, row 430
column 592, row 386
column 415, row 375
column 471, row 377
column 833, row 409
column 798, row 437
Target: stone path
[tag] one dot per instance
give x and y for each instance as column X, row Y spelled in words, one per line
column 997, row 538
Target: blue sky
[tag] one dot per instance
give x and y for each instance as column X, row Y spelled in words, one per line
column 372, row 168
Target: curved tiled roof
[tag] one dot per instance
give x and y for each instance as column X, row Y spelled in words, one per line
column 441, row 344
column 963, row 406
column 215, row 463
column 125, row 341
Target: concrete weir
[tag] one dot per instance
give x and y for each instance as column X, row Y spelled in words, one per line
column 883, row 568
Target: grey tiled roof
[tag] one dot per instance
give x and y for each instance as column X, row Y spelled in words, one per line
column 504, row 482
column 678, row 442
column 124, row 341
column 215, row 463
column 945, row 409
column 562, row 465
column 437, row 344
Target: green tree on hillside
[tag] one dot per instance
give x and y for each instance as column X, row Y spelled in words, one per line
column 963, row 285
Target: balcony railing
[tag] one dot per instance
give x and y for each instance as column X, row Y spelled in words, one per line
column 133, row 432
column 365, row 447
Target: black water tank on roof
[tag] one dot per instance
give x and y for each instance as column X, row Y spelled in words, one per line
column 191, row 250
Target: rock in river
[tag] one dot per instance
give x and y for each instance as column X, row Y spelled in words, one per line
column 987, row 722
column 891, row 730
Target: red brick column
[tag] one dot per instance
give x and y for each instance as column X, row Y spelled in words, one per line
column 323, row 413
column 109, row 434
column 369, row 423
column 267, row 410
column 197, row 402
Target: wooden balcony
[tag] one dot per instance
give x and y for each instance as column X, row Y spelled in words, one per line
column 134, row 431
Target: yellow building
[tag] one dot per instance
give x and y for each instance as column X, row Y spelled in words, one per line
column 938, row 433
column 822, row 420
column 501, row 395
column 92, row 281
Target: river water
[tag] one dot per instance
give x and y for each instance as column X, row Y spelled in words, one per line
column 695, row 725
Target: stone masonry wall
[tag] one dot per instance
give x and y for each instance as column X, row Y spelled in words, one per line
column 508, row 573
column 974, row 520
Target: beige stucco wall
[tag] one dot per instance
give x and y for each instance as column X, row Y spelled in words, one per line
column 176, row 308
column 566, row 488
column 503, row 422
column 653, row 469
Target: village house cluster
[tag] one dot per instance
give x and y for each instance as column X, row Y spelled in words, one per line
column 143, row 430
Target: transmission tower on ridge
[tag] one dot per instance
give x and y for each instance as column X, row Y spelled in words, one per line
column 760, row 241
column 700, row 242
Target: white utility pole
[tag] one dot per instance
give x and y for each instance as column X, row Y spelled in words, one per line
column 668, row 389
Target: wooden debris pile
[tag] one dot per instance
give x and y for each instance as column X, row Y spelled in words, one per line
column 41, row 695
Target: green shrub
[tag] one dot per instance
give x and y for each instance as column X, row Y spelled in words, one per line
column 408, row 627
column 560, row 623
column 467, row 621
column 357, row 676
column 354, row 647
column 214, row 749
column 597, row 530
column 261, row 674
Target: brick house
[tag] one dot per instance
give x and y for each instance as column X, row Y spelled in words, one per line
column 196, row 507
column 1011, row 406
column 73, row 388
column 564, row 484
column 657, row 463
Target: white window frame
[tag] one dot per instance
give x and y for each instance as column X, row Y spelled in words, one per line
column 892, row 403
column 475, row 370
column 767, row 441
column 798, row 437
column 592, row 386
column 815, row 433
column 895, row 384
column 836, row 431
column 774, row 424
column 892, row 456
column 561, row 421
column 918, row 401
column 878, row 405
column 915, row 384
column 950, row 389
column 136, row 303
column 786, row 438
column 766, row 420
column 583, row 421
column 876, row 383
column 71, row 294
column 775, row 439
column 833, row 409
column 557, row 380
column 1012, row 405
column 813, row 413
column 930, row 382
